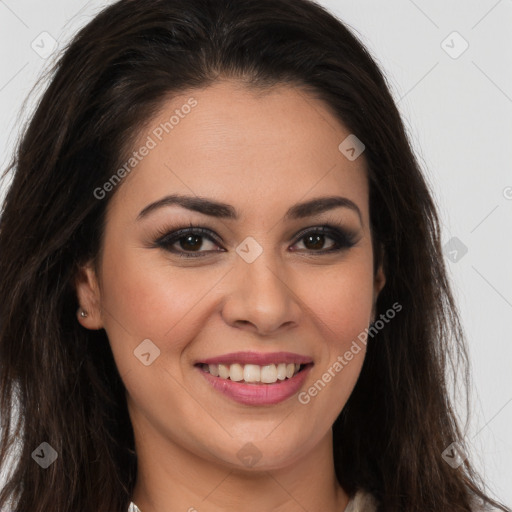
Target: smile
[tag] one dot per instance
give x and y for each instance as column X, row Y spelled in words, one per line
column 252, row 373
column 251, row 378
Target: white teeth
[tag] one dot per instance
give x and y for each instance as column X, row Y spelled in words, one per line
column 251, row 373
column 236, row 372
column 267, row 374
column 223, row 371
column 281, row 371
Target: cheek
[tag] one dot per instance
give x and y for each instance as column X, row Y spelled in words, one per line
column 341, row 300
column 340, row 306
column 152, row 300
column 145, row 297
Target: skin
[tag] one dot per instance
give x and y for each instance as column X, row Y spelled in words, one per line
column 260, row 152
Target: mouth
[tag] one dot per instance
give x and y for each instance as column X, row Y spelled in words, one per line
column 269, row 374
column 252, row 378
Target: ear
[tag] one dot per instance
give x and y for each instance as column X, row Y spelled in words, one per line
column 89, row 297
column 378, row 284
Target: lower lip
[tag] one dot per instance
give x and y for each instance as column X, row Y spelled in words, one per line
column 258, row 394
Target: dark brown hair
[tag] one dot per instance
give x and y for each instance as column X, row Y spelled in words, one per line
column 110, row 80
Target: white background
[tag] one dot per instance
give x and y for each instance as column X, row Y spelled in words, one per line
column 458, row 113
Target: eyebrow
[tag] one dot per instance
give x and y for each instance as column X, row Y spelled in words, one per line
column 226, row 211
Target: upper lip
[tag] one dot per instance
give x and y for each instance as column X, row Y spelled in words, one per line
column 258, row 358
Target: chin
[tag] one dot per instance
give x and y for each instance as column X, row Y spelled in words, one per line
column 255, row 454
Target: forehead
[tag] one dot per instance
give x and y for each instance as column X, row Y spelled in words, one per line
column 260, row 150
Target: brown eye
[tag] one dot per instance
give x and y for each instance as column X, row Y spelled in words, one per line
column 314, row 242
column 191, row 242
column 314, row 239
column 188, row 242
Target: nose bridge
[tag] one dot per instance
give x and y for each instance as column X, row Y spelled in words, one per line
column 259, row 293
column 260, row 276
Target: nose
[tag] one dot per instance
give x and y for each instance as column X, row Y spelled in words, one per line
column 260, row 297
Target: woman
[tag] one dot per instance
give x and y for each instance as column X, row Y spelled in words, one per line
column 221, row 276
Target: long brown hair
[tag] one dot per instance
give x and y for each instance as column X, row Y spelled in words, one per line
column 114, row 75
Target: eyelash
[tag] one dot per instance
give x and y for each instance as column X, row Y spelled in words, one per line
column 166, row 239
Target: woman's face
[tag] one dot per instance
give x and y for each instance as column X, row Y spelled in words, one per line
column 254, row 293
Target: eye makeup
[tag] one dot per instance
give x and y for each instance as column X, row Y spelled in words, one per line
column 187, row 241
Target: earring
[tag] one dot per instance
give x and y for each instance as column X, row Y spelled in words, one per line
column 83, row 313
